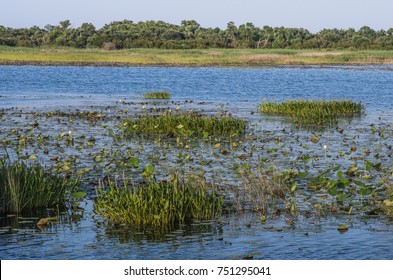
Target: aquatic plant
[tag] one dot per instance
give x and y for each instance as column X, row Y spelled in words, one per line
column 387, row 205
column 265, row 190
column 196, row 125
column 24, row 187
column 157, row 95
column 162, row 205
column 315, row 112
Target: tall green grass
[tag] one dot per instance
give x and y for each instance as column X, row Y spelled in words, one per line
column 25, row 187
column 172, row 125
column 315, row 112
column 158, row 205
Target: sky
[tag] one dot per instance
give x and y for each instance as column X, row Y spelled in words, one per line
column 313, row 15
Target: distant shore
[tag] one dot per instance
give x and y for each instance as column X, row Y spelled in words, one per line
column 247, row 58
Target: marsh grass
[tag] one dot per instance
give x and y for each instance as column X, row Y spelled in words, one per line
column 25, row 187
column 185, row 124
column 157, row 95
column 314, row 112
column 158, row 205
column 264, row 191
column 194, row 57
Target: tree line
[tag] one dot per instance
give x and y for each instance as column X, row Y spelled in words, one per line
column 189, row 35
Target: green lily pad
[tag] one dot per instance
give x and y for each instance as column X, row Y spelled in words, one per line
column 343, row 228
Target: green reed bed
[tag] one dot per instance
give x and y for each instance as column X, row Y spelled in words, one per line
column 314, row 112
column 158, row 205
column 25, row 187
column 173, row 125
column 157, row 95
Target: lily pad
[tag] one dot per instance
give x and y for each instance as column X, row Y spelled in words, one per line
column 45, row 221
column 342, row 228
column 314, row 138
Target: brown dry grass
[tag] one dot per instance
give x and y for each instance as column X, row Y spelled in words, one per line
column 263, row 57
column 319, row 54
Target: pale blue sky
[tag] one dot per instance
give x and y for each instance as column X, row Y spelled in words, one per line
column 311, row 14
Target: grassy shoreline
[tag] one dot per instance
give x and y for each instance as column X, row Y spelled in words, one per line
column 190, row 58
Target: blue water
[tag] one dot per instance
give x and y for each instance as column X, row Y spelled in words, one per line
column 240, row 90
column 47, row 85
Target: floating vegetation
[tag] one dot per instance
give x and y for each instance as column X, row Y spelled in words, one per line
column 25, row 187
column 265, row 169
column 343, row 228
column 387, row 205
column 157, row 95
column 162, row 205
column 185, row 124
column 313, row 112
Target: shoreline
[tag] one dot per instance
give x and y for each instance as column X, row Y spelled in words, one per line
column 382, row 66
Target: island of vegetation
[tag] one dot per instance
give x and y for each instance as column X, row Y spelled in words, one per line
column 188, row 44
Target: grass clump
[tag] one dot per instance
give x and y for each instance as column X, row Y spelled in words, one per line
column 25, row 187
column 265, row 191
column 157, row 95
column 173, row 125
column 314, row 112
column 160, row 205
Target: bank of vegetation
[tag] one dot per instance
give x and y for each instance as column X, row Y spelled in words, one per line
column 191, row 35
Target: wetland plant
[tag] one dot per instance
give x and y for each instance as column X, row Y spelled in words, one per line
column 265, row 191
column 387, row 205
column 157, row 95
column 158, row 205
column 25, row 187
column 313, row 112
column 185, row 124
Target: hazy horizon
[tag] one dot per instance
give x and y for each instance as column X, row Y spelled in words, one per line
column 313, row 15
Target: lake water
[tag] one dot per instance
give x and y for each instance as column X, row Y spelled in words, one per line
column 83, row 235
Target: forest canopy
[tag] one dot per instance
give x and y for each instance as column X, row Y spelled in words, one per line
column 190, row 35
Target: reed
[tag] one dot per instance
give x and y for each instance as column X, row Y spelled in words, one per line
column 25, row 187
column 173, row 125
column 157, row 95
column 315, row 112
column 158, row 205
column 265, row 191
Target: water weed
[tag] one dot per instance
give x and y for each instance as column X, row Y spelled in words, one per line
column 313, row 112
column 157, row 95
column 24, row 187
column 185, row 124
column 162, row 205
column 266, row 191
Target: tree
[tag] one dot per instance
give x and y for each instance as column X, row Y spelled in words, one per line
column 65, row 24
column 189, row 28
